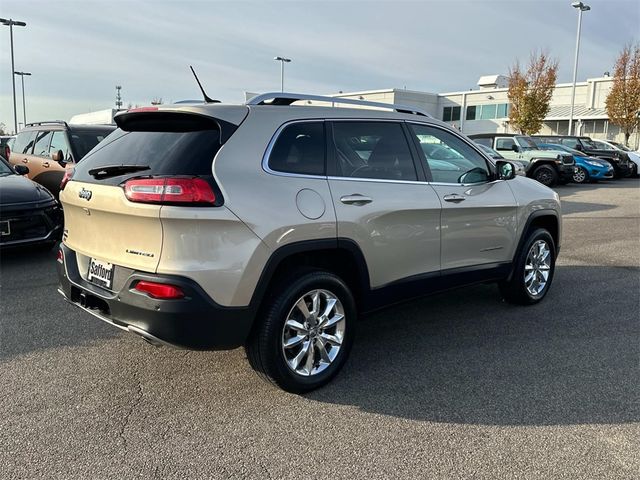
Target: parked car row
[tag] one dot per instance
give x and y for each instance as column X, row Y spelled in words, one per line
column 29, row 214
column 32, row 167
column 48, row 149
column 556, row 159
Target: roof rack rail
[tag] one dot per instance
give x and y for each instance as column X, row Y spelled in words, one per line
column 283, row 98
column 47, row 122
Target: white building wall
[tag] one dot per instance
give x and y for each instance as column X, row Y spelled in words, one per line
column 590, row 99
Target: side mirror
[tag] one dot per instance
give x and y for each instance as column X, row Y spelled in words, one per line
column 506, row 170
column 515, row 148
column 59, row 157
column 21, row 169
column 579, row 147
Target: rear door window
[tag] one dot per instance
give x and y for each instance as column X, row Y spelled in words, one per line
column 24, row 142
column 43, row 140
column 377, row 150
column 300, row 149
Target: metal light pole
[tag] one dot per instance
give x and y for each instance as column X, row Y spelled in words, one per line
column 282, row 61
column 581, row 8
column 10, row 23
column 24, row 107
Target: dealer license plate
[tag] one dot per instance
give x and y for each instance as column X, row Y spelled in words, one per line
column 101, row 273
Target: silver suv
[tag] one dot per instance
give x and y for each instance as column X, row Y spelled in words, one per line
column 275, row 224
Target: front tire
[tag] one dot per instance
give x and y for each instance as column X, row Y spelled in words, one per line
column 305, row 333
column 546, row 175
column 581, row 175
column 533, row 270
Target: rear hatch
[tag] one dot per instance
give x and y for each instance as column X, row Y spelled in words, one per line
column 156, row 157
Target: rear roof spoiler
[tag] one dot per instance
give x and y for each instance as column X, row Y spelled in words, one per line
column 152, row 119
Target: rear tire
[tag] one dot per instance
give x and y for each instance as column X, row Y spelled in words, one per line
column 546, row 175
column 533, row 270
column 581, row 176
column 289, row 347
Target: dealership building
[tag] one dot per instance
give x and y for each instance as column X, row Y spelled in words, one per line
column 486, row 108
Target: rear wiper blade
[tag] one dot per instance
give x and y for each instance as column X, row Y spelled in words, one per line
column 115, row 170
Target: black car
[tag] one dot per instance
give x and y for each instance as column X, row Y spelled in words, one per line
column 29, row 214
column 620, row 160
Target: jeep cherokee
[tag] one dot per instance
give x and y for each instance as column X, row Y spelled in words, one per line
column 275, row 224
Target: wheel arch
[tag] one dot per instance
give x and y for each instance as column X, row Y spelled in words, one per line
column 547, row 219
column 341, row 257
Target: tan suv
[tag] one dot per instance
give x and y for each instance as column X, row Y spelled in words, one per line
column 275, row 224
column 47, row 149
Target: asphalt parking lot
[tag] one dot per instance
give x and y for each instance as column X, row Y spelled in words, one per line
column 458, row 385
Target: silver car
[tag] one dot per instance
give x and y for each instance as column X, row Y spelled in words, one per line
column 274, row 225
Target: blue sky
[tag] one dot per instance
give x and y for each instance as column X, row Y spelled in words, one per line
column 79, row 50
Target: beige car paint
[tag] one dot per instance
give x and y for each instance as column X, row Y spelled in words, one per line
column 479, row 229
column 226, row 249
column 108, row 227
column 398, row 232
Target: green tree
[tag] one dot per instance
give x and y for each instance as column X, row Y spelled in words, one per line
column 530, row 92
column 623, row 101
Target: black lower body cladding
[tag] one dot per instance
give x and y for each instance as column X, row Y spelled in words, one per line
column 194, row 322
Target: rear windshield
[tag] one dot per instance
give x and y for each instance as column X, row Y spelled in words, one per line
column 165, row 153
column 83, row 141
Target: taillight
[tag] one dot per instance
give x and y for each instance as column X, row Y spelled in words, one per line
column 68, row 174
column 169, row 190
column 60, row 257
column 161, row 291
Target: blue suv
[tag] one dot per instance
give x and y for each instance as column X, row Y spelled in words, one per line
column 587, row 169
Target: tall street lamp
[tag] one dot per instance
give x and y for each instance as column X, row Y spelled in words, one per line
column 581, row 7
column 282, row 61
column 10, row 23
column 24, row 107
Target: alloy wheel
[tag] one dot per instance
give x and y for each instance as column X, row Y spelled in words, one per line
column 579, row 176
column 537, row 267
column 313, row 332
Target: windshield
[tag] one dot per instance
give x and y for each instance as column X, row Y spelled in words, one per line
column 620, row 146
column 526, row 143
column 587, row 142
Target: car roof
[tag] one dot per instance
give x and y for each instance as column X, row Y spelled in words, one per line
column 235, row 113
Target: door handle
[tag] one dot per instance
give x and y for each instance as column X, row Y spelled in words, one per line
column 45, row 164
column 355, row 199
column 24, row 160
column 454, row 197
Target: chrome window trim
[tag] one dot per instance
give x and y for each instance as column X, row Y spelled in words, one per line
column 376, row 180
column 276, row 135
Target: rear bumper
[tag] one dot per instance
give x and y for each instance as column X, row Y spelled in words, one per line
column 193, row 322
